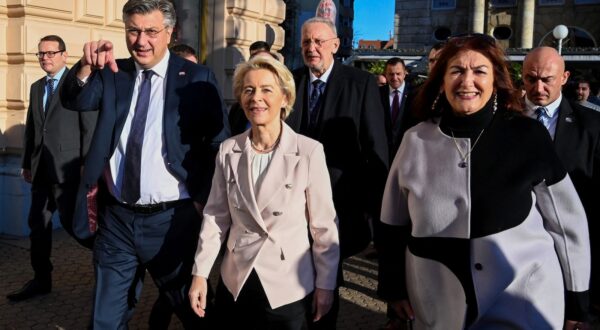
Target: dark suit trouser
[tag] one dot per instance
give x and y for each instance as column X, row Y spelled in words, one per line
column 164, row 243
column 252, row 311
column 46, row 198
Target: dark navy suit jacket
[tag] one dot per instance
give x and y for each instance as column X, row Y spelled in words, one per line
column 192, row 119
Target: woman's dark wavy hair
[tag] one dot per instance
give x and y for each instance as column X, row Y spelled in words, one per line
column 508, row 96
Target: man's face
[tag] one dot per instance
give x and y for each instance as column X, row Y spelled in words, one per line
column 543, row 80
column 52, row 65
column 147, row 48
column 395, row 74
column 318, row 46
column 432, row 58
column 582, row 91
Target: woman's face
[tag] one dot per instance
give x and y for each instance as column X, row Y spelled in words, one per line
column 468, row 82
column 262, row 98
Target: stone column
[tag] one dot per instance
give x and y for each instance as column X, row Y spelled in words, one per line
column 477, row 16
column 527, row 24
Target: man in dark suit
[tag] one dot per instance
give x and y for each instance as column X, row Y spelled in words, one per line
column 395, row 98
column 340, row 107
column 151, row 162
column 576, row 134
column 56, row 141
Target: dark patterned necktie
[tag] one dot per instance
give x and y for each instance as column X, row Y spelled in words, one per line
column 49, row 93
column 315, row 102
column 395, row 106
column 130, row 190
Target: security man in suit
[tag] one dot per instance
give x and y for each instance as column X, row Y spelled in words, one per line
column 339, row 106
column 150, row 165
column 576, row 134
column 56, row 141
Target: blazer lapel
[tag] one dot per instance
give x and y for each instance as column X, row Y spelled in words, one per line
column 124, row 83
column 175, row 80
column 55, row 98
column 282, row 166
column 240, row 166
column 564, row 129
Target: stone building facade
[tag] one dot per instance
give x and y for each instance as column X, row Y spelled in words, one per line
column 517, row 23
column 222, row 29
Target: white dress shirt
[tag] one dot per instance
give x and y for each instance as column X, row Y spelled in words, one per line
column 157, row 184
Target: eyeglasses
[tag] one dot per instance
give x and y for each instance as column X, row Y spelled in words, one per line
column 50, row 54
column 318, row 42
column 150, row 33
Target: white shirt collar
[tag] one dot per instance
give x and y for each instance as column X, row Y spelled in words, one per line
column 324, row 76
column 400, row 89
column 550, row 108
column 160, row 68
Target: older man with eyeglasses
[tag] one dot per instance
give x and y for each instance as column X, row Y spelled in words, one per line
column 56, row 141
column 339, row 106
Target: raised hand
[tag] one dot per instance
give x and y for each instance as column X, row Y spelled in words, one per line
column 97, row 55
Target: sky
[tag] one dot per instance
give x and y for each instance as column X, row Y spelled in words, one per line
column 373, row 19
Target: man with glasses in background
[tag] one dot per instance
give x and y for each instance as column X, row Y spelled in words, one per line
column 55, row 143
column 339, row 106
column 150, row 166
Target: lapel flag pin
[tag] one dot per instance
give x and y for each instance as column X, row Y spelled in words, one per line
column 569, row 119
column 182, row 73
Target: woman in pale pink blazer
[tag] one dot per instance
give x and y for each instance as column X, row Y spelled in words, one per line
column 271, row 192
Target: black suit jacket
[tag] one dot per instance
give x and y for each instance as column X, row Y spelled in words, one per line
column 192, row 121
column 577, row 143
column 58, row 139
column 351, row 128
column 404, row 122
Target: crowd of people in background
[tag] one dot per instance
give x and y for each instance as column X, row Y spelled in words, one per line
column 477, row 191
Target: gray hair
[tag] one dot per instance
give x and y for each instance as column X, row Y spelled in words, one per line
column 145, row 7
column 325, row 21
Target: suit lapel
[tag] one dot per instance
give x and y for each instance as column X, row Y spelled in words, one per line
column 240, row 167
column 564, row 129
column 282, row 166
column 176, row 79
column 124, row 83
column 55, row 98
column 330, row 96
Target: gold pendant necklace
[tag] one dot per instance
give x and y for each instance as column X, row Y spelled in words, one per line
column 464, row 157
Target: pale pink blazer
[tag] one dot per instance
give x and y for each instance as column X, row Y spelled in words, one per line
column 269, row 230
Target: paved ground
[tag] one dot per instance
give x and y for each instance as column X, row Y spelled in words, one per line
column 69, row 304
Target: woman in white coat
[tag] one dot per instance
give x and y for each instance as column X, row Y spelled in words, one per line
column 270, row 193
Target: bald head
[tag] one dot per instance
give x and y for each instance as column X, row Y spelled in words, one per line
column 544, row 75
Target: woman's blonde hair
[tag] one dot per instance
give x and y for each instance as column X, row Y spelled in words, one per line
column 282, row 74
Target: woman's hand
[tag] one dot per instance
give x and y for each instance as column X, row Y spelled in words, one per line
column 403, row 309
column 197, row 295
column 322, row 301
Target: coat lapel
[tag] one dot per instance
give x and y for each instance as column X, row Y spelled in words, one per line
column 284, row 161
column 124, row 83
column 331, row 96
column 564, row 129
column 240, row 165
column 176, row 79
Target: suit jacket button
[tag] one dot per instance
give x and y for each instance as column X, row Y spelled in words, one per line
column 478, row 266
column 288, row 186
column 277, row 213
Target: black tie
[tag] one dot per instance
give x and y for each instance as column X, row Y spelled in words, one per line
column 395, row 106
column 130, row 190
column 50, row 93
column 315, row 102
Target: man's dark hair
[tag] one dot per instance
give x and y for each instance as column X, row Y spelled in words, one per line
column 438, row 45
column 52, row 37
column 395, row 60
column 183, row 50
column 259, row 45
